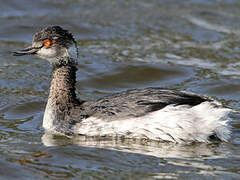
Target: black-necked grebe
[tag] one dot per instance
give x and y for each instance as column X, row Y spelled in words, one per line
column 151, row 113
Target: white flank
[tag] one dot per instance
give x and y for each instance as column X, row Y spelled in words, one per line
column 172, row 123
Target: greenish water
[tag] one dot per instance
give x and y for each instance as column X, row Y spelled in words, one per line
column 187, row 45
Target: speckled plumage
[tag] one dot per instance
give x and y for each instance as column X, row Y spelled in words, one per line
column 56, row 34
column 151, row 113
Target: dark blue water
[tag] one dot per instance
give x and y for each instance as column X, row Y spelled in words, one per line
column 189, row 45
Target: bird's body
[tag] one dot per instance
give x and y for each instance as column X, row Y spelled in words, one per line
column 151, row 113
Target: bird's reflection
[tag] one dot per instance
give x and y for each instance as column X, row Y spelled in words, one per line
column 150, row 148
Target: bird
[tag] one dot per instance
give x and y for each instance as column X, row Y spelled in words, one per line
column 149, row 114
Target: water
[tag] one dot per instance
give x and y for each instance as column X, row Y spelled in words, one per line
column 187, row 45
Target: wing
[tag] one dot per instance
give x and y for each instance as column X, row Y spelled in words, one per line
column 138, row 102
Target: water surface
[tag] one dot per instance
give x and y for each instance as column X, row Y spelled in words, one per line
column 187, row 45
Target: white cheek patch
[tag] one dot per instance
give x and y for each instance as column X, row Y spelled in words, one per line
column 53, row 55
column 47, row 53
column 72, row 51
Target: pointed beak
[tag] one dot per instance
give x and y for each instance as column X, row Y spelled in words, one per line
column 27, row 51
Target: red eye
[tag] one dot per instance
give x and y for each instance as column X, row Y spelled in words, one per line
column 47, row 43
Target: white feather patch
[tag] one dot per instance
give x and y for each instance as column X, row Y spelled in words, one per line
column 172, row 123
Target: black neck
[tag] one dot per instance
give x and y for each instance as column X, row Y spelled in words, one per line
column 69, row 62
column 62, row 90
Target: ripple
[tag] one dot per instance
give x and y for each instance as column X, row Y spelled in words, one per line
column 188, row 45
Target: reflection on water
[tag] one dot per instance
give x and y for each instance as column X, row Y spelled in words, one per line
column 188, row 45
column 94, row 159
column 158, row 149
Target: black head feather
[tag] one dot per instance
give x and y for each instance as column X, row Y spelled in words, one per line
column 56, row 34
